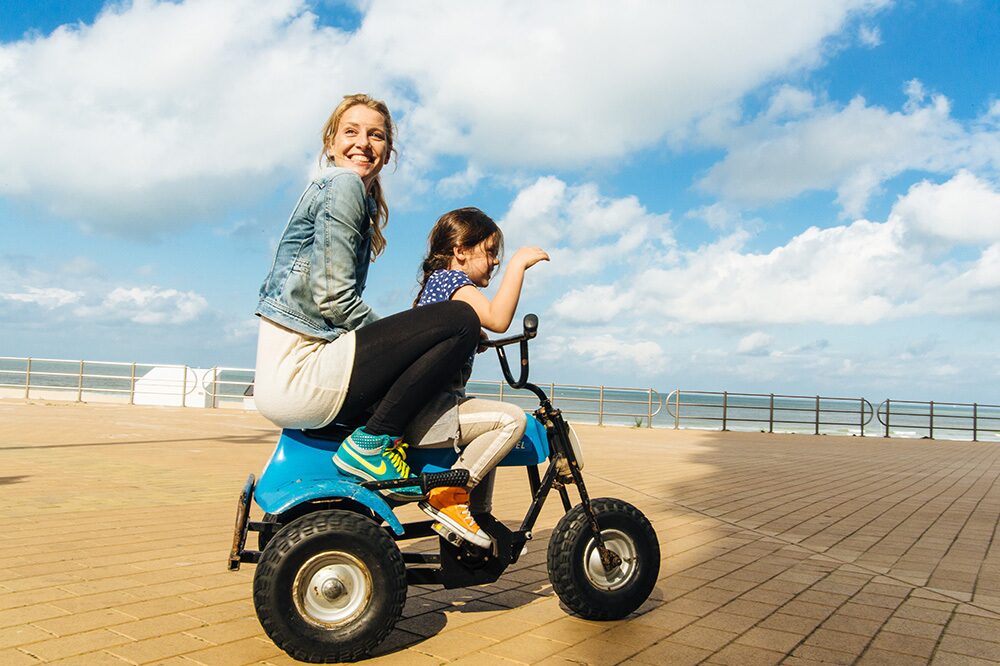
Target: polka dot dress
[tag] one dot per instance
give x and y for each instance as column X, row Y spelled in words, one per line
column 441, row 285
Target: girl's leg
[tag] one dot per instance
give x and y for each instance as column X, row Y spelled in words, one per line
column 481, row 497
column 402, row 360
column 489, row 430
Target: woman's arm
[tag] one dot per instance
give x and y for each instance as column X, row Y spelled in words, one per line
column 341, row 229
column 497, row 314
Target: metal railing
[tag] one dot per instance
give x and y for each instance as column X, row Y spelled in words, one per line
column 942, row 417
column 725, row 408
column 227, row 384
column 603, row 404
column 90, row 378
column 84, row 381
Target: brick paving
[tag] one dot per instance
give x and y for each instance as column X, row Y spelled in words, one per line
column 776, row 549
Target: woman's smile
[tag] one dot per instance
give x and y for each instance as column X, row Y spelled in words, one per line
column 360, row 142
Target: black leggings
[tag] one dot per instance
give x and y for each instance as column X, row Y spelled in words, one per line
column 401, row 361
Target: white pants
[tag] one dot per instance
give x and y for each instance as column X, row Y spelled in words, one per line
column 488, row 430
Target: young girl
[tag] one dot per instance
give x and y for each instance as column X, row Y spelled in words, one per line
column 463, row 249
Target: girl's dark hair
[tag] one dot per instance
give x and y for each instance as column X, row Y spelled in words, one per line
column 463, row 227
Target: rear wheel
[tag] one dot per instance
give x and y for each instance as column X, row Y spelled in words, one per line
column 577, row 573
column 330, row 586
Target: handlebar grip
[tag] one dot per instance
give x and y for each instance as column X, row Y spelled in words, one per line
column 531, row 325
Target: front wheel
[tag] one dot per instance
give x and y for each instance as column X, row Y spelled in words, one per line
column 574, row 562
column 329, row 587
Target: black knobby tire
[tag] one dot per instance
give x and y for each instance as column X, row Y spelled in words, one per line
column 574, row 561
column 329, row 587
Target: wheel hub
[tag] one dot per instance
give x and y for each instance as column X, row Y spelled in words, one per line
column 332, row 588
column 618, row 576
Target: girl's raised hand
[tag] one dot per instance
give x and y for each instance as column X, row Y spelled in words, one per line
column 527, row 257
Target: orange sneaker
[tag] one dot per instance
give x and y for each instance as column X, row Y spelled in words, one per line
column 450, row 507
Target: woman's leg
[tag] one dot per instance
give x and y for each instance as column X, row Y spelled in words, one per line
column 402, row 360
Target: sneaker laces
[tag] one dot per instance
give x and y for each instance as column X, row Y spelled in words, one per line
column 466, row 515
column 397, row 458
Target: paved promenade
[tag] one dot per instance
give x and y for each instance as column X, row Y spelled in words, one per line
column 786, row 549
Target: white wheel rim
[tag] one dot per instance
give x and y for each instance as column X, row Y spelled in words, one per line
column 621, row 545
column 332, row 589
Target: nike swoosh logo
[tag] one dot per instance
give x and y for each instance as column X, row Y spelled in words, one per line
column 367, row 465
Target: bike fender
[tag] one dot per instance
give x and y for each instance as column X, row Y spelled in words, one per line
column 282, row 499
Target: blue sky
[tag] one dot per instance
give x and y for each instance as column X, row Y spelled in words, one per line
column 759, row 196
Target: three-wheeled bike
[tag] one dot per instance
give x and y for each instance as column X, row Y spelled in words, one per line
column 331, row 581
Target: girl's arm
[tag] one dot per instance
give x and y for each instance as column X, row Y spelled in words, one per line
column 497, row 314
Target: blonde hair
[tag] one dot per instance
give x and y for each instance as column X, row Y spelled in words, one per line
column 463, row 227
column 375, row 190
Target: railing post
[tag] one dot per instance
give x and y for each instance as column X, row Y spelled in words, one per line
column 817, row 415
column 931, row 422
column 131, row 386
column 887, row 401
column 975, row 421
column 677, row 409
column 79, row 384
column 184, row 387
column 649, row 412
column 862, row 417
column 725, row 409
column 215, row 387
column 770, row 416
column 501, row 390
column 600, row 407
column 27, row 379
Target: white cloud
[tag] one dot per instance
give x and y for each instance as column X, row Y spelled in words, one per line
column 144, row 305
column 607, row 352
column 870, row 36
column 160, row 113
column 49, row 298
column 756, row 343
column 721, row 217
column 860, row 273
column 852, row 150
column 965, row 209
column 150, row 305
column 790, row 102
column 584, row 231
column 461, row 183
column 533, row 89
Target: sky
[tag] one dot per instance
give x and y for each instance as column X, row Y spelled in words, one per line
column 759, row 196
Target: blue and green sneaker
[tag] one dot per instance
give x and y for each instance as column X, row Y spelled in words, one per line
column 377, row 458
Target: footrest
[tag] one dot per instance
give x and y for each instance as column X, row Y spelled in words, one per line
column 451, row 477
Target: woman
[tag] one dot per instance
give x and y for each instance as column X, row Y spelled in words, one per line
column 322, row 353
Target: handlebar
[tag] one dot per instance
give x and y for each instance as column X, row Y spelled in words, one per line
column 530, row 331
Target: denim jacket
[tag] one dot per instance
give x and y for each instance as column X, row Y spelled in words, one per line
column 321, row 264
